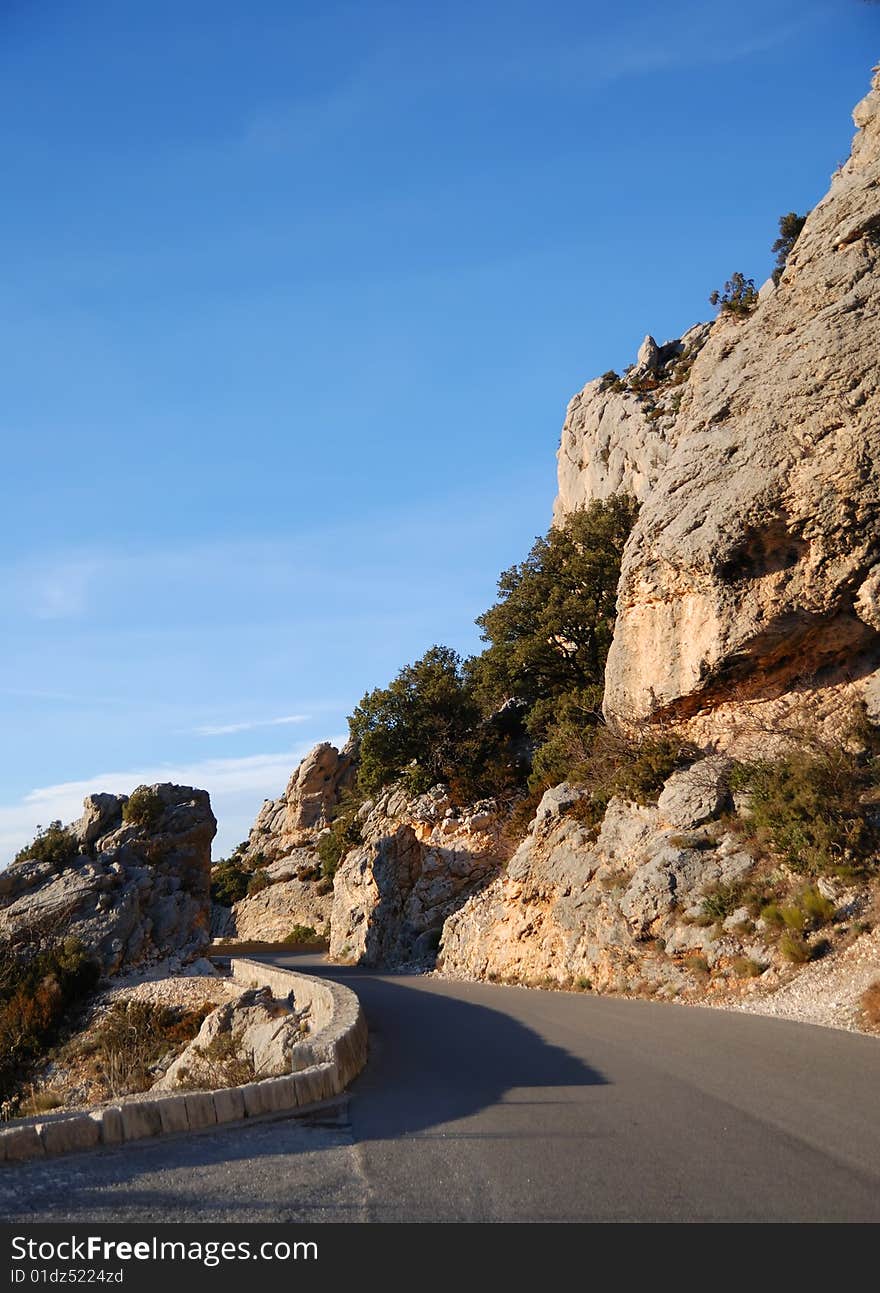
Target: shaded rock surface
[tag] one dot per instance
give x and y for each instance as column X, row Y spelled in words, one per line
column 130, row 893
column 418, row 861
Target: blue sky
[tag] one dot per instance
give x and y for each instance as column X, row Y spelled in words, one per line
column 295, row 296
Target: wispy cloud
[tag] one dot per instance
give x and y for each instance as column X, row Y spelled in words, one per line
column 61, row 591
column 227, row 729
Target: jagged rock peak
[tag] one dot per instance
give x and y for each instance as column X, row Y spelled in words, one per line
column 619, row 430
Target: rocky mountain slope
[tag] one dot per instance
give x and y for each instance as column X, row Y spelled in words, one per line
column 130, row 879
column 748, row 601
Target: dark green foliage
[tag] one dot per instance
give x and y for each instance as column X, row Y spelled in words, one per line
column 790, row 226
column 641, row 777
column 36, row 992
column 302, row 934
column 143, row 808
column 56, row 844
column 722, row 900
column 229, row 882
column 414, row 728
column 537, row 687
column 258, row 882
column 344, row 833
column 550, row 631
column 809, row 806
column 739, row 295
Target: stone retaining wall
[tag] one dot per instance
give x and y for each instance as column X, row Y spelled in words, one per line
column 334, row 1054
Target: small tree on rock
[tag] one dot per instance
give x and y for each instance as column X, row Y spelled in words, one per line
column 790, row 226
column 739, row 295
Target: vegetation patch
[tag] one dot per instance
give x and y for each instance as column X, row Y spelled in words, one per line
column 143, row 808
column 37, row 992
column 54, row 844
column 812, row 806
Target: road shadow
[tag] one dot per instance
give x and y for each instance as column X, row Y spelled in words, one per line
column 435, row 1060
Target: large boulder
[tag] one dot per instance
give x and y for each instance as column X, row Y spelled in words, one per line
column 247, row 1039
column 419, row 860
column 128, row 890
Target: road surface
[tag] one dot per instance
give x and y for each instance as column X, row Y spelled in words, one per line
column 502, row 1104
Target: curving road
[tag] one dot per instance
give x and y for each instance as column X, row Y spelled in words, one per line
column 501, row 1104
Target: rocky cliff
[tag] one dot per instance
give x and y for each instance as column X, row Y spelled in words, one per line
column 282, row 848
column 753, row 572
column 750, row 589
column 131, row 884
column 419, row 861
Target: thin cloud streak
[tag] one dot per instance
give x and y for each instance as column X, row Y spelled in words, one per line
column 250, row 725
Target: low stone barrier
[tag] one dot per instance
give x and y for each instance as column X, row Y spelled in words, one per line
column 335, row 1052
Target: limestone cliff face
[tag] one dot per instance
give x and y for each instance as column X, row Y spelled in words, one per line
column 129, row 892
column 620, row 911
column 754, row 569
column 618, row 433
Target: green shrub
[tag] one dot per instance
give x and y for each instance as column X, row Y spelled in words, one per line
column 744, row 967
column 818, row 910
column 343, row 834
column 697, row 964
column 795, row 948
column 56, row 845
column 808, row 805
column 305, row 934
column 793, row 918
column 550, row 630
column 37, row 990
column 258, row 882
column 143, row 807
column 722, row 900
column 739, row 295
column 772, row 916
column 790, row 227
column 229, row 882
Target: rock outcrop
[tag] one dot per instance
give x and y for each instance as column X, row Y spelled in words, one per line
column 753, row 572
column 273, row 913
column 620, row 911
column 620, row 431
column 296, row 819
column 254, row 1035
column 282, row 846
column 418, row 861
column 129, row 891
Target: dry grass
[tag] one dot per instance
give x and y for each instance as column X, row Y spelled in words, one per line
column 870, row 1003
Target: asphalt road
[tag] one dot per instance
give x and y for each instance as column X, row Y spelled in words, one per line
column 502, row 1104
